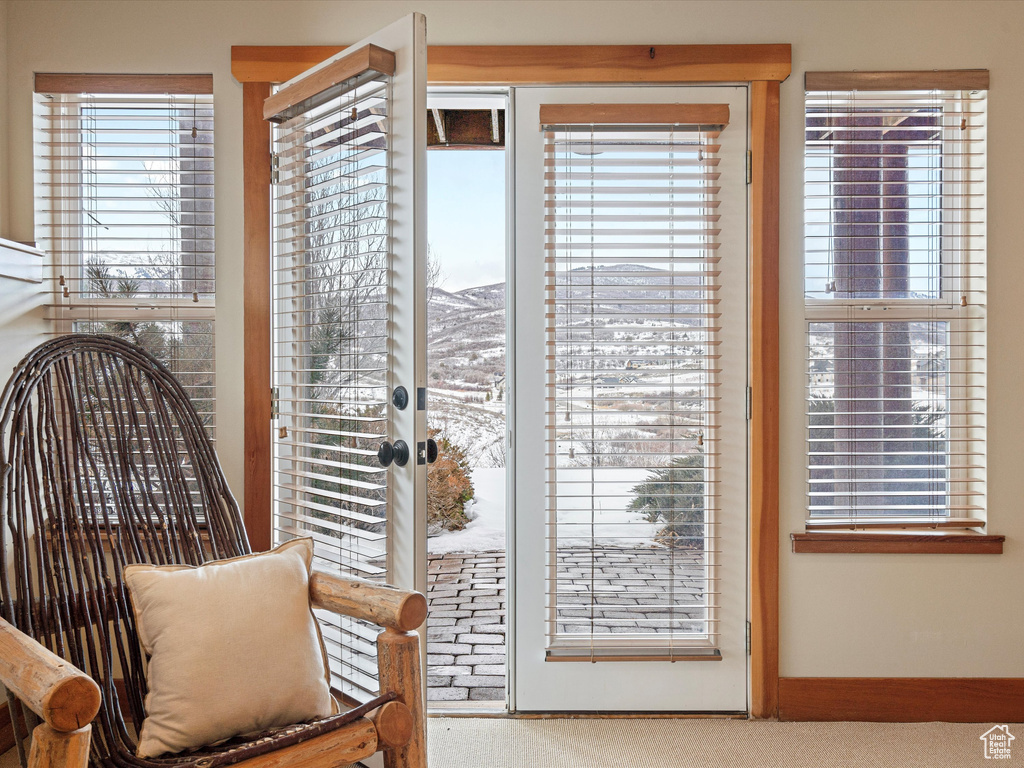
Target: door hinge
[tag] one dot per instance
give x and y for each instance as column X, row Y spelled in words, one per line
column 275, row 172
column 275, row 408
column 750, row 403
column 748, row 638
column 750, row 166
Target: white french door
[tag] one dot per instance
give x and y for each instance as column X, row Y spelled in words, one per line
column 349, row 322
column 630, row 399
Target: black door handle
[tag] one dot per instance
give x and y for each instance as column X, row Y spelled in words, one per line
column 397, row 453
column 401, row 450
column 431, row 450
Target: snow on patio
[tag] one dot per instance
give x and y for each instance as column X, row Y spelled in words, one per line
column 610, row 525
column 486, row 531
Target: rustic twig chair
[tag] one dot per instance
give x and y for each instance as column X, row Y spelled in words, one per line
column 105, row 462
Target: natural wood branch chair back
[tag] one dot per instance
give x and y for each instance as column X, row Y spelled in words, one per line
column 104, row 462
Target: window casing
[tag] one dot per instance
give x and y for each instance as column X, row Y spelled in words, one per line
column 124, row 208
column 895, row 305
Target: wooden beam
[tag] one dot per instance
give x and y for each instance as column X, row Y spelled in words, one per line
column 74, row 83
column 369, row 58
column 466, row 129
column 399, row 670
column 277, row 63
column 395, row 725
column 60, row 749
column 545, row 64
column 940, row 542
column 903, row 699
column 256, row 321
column 764, row 416
column 381, row 604
column 635, row 114
column 533, row 64
column 61, row 694
column 348, row 744
column 933, row 79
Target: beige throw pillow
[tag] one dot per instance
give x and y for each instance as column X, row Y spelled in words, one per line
column 233, row 648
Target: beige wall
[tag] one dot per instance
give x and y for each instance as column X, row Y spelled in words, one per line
column 21, row 318
column 869, row 615
column 3, row 118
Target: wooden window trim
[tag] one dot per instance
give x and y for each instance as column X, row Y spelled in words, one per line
column 909, row 542
column 928, row 80
column 256, row 136
column 635, row 114
column 544, row 64
column 763, row 67
column 97, row 83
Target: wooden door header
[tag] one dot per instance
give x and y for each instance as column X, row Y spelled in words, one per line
column 707, row 115
column 545, row 64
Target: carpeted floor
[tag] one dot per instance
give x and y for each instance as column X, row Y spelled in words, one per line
column 464, row 742
column 704, row 743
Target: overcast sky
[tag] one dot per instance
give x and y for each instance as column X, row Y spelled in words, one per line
column 466, row 216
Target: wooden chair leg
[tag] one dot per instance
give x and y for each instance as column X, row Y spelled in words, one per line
column 398, row 659
column 59, row 749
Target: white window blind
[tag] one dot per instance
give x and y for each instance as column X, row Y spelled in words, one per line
column 331, row 307
column 124, row 208
column 632, row 328
column 895, row 303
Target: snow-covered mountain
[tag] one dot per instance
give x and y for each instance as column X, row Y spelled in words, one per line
column 466, row 360
column 466, row 339
column 466, row 346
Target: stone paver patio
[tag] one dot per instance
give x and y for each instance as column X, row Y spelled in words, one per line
column 614, row 590
column 466, row 627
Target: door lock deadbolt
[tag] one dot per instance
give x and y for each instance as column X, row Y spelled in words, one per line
column 400, row 398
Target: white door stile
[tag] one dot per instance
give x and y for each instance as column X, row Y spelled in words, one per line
column 407, row 486
column 511, row 516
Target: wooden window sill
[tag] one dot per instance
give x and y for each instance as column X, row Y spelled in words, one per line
column 903, row 542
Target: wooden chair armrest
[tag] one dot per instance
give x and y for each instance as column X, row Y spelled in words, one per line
column 61, row 694
column 383, row 605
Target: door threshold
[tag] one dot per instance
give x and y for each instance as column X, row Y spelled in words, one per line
column 466, row 709
column 469, row 711
column 630, row 715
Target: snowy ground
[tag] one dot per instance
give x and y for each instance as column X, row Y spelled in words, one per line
column 486, row 532
column 610, row 525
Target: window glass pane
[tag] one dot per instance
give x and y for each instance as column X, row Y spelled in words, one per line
column 874, row 186
column 332, row 300
column 878, row 417
column 186, row 348
column 125, row 210
column 633, row 341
